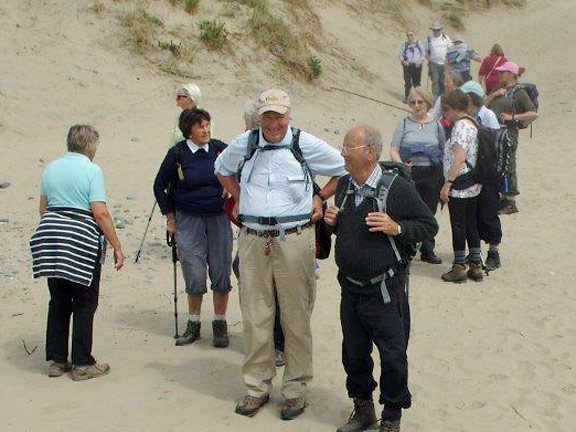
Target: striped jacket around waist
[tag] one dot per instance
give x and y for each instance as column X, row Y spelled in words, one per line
column 66, row 245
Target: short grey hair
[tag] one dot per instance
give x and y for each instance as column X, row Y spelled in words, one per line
column 82, row 139
column 251, row 117
column 373, row 138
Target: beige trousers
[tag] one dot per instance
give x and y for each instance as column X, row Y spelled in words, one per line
column 290, row 268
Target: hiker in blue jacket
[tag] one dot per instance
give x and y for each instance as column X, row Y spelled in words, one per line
column 411, row 55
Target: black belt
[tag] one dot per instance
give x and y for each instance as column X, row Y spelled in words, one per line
column 277, row 233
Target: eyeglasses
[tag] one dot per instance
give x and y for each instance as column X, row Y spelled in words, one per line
column 416, row 102
column 346, row 150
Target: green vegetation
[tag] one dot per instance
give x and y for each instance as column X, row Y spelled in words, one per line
column 140, row 27
column 175, row 49
column 213, row 33
column 191, row 6
column 315, row 65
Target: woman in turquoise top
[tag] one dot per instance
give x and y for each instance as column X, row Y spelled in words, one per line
column 67, row 248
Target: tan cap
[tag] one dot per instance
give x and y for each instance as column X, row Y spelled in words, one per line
column 274, row 100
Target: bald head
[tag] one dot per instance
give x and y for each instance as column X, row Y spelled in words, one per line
column 366, row 135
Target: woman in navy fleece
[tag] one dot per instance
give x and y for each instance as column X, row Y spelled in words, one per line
column 191, row 198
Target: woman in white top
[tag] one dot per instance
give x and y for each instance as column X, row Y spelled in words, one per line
column 460, row 191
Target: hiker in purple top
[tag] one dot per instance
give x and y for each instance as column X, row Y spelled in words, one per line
column 411, row 55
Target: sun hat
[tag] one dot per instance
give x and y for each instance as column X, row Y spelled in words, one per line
column 472, row 87
column 436, row 26
column 190, row 90
column 508, row 67
column 274, row 100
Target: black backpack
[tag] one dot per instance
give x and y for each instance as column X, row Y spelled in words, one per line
column 390, row 171
column 323, row 234
column 492, row 160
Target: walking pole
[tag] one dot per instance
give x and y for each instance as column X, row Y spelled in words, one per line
column 172, row 243
column 145, row 232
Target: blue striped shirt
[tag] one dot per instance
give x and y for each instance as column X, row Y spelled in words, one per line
column 273, row 183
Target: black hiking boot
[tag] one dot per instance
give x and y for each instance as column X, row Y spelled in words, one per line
column 493, row 260
column 390, row 426
column 362, row 418
column 220, row 332
column 191, row 334
column 431, row 258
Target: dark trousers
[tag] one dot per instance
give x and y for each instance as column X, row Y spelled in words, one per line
column 464, row 223
column 412, row 77
column 489, row 226
column 366, row 320
column 71, row 299
column 428, row 182
column 278, row 333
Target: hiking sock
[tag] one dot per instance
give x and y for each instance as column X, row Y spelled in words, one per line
column 194, row 318
column 475, row 255
column 219, row 317
column 391, row 414
column 493, row 248
column 459, row 257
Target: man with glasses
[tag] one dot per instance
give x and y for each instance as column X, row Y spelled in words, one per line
column 276, row 245
column 374, row 305
column 411, row 55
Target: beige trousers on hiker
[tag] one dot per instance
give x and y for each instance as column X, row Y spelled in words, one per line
column 290, row 264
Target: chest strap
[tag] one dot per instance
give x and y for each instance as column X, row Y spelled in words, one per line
column 274, row 220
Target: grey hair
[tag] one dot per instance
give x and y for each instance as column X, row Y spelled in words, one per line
column 82, row 139
column 373, row 138
column 251, row 117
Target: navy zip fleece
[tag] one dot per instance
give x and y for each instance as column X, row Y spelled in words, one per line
column 200, row 193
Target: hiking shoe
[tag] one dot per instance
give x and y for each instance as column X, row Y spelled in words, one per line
column 279, row 358
column 220, row 332
column 431, row 259
column 250, row 405
column 475, row 272
column 390, row 426
column 508, row 208
column 493, row 260
column 191, row 334
column 81, row 373
column 58, row 369
column 456, row 275
column 362, row 418
column 292, row 408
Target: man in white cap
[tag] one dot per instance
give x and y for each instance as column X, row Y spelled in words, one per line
column 436, row 46
column 269, row 171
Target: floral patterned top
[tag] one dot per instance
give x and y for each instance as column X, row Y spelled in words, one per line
column 464, row 134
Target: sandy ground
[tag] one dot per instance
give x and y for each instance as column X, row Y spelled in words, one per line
column 498, row 355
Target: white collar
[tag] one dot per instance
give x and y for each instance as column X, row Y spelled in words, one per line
column 372, row 180
column 194, row 148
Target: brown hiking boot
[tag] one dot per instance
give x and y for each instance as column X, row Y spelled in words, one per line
column 456, row 275
column 292, row 408
column 475, row 272
column 191, row 334
column 58, row 369
column 362, row 418
column 250, row 405
column 81, row 373
column 390, row 426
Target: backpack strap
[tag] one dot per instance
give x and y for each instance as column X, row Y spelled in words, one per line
column 180, row 159
column 380, row 198
column 251, row 148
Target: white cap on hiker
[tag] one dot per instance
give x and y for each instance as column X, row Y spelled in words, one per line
column 274, row 100
column 508, row 67
column 436, row 26
column 190, row 90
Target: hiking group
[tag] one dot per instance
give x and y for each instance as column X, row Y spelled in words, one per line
column 458, row 149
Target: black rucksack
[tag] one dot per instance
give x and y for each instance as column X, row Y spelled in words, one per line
column 533, row 93
column 390, row 171
column 492, row 160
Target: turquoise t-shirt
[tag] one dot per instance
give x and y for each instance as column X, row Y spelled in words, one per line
column 73, row 181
